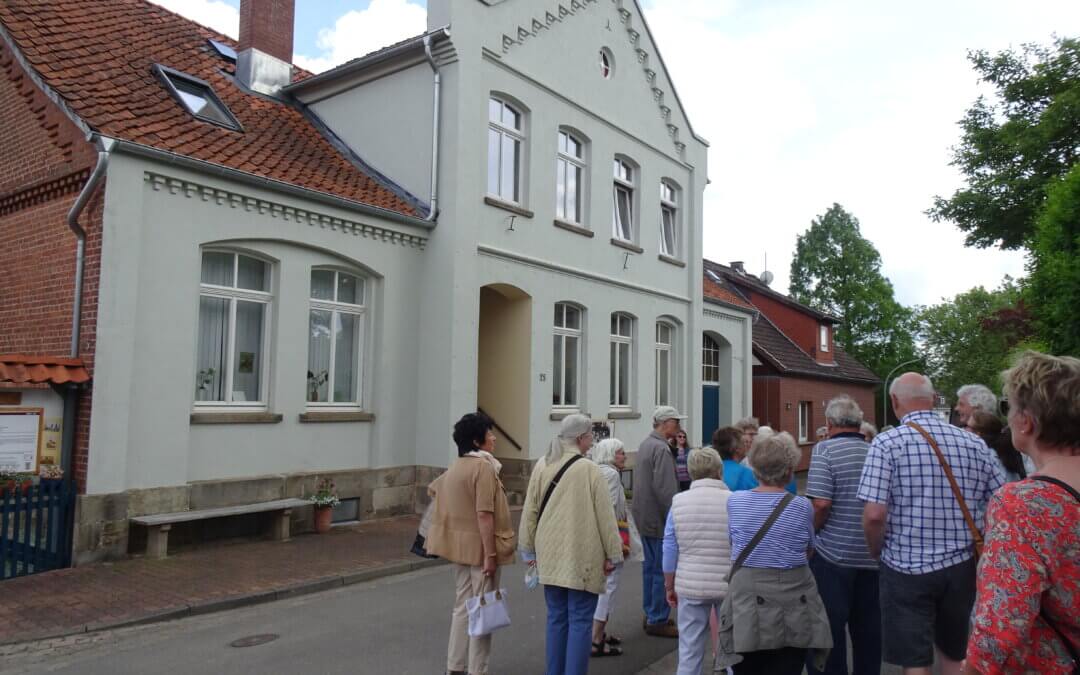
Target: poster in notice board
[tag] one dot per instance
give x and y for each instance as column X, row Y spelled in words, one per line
column 20, row 439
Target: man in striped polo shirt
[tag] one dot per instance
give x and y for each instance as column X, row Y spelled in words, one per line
column 846, row 575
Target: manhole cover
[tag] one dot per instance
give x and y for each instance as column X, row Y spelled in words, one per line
column 254, row 640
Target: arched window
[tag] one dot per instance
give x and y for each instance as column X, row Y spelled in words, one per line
column 506, row 137
column 569, row 177
column 336, row 314
column 567, row 355
column 665, row 363
column 234, row 310
column 710, row 360
column 622, row 347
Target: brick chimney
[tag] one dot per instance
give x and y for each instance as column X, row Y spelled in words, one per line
column 264, row 59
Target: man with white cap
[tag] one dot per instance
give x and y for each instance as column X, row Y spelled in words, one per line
column 654, row 486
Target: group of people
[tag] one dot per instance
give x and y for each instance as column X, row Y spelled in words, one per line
column 926, row 542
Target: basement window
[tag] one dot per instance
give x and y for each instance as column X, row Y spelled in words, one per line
column 197, row 97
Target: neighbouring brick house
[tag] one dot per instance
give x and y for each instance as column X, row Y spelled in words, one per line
column 798, row 366
column 266, row 299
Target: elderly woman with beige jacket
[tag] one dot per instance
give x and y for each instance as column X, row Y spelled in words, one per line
column 568, row 530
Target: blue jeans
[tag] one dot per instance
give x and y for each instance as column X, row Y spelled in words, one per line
column 653, row 597
column 851, row 601
column 569, row 630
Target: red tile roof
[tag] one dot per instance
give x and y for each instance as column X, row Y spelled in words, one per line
column 98, row 56
column 40, row 369
column 715, row 291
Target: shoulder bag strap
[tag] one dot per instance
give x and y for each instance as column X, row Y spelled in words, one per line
column 975, row 534
column 554, row 483
column 784, row 501
column 1042, row 612
column 1061, row 484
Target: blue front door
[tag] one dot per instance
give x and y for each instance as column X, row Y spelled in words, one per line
column 710, row 413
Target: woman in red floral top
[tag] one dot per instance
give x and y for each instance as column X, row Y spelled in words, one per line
column 1027, row 614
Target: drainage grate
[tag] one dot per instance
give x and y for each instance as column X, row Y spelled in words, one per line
column 254, row 640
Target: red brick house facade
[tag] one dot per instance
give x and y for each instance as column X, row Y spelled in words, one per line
column 798, row 367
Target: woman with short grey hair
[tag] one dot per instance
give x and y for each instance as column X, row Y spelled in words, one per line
column 697, row 554
column 610, row 455
column 772, row 613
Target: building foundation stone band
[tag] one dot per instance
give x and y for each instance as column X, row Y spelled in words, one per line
column 102, row 521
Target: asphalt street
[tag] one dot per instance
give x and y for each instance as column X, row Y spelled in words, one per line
column 397, row 625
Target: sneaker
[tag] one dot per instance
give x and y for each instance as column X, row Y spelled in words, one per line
column 666, row 629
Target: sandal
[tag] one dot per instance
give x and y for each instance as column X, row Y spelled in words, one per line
column 604, row 649
column 612, row 640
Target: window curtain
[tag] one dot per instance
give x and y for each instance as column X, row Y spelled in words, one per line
column 213, row 343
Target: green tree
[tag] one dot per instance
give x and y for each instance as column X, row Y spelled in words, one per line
column 838, row 271
column 1053, row 285
column 1013, row 148
column 969, row 339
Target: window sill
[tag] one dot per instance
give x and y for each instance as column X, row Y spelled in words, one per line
column 235, row 418
column 629, row 246
column 623, row 415
column 337, row 416
column 560, row 415
column 507, row 206
column 671, row 261
column 576, row 229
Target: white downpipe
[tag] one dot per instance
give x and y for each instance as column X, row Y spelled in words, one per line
column 437, row 96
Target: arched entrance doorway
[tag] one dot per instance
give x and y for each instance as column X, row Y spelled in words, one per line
column 715, row 384
column 503, row 358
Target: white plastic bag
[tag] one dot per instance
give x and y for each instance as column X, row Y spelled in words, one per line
column 532, row 577
column 487, row 612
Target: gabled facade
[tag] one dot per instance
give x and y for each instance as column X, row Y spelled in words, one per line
column 797, row 365
column 279, row 287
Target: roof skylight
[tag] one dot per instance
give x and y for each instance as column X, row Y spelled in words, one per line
column 197, row 97
column 224, row 50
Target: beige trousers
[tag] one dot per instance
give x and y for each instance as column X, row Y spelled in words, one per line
column 464, row 653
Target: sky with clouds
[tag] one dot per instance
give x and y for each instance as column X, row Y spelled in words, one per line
column 805, row 103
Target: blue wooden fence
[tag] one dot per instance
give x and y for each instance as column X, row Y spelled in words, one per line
column 35, row 528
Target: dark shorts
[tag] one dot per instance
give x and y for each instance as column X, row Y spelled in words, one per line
column 921, row 611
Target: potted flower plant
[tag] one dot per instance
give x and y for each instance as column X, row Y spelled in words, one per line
column 14, row 482
column 324, row 499
column 50, row 474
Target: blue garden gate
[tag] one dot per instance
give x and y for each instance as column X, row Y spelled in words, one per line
column 35, row 528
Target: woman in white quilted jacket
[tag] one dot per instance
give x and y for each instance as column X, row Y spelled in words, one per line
column 697, row 554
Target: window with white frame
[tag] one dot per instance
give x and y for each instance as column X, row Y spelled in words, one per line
column 569, row 172
column 804, row 421
column 233, row 340
column 665, row 365
column 824, row 338
column 567, row 356
column 669, row 222
column 335, row 339
column 622, row 343
column 505, row 140
column 623, row 216
column 710, row 360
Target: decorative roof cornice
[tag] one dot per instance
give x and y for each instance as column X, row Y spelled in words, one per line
column 564, row 11
column 221, row 197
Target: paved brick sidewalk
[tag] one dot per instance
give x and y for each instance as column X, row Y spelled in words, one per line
column 210, row 579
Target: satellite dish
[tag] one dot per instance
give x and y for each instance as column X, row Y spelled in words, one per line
column 767, row 277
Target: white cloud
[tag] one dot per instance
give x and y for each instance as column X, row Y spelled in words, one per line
column 841, row 101
column 216, row 14
column 356, row 33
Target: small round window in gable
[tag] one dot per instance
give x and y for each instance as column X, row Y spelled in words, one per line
column 607, row 63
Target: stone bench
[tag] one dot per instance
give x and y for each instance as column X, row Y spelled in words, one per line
column 158, row 525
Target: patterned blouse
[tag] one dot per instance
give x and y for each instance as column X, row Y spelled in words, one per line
column 1031, row 562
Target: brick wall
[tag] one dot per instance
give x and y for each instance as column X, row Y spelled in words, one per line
column 801, row 328
column 772, row 395
column 46, row 163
